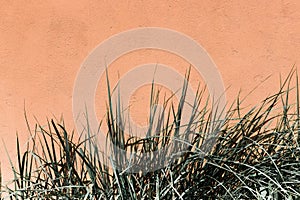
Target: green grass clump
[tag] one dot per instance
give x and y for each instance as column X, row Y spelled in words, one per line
column 255, row 155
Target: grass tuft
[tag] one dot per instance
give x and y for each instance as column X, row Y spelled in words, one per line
column 253, row 155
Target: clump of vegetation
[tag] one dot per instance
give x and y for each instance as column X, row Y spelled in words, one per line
column 255, row 156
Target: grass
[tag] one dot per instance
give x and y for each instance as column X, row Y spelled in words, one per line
column 255, row 154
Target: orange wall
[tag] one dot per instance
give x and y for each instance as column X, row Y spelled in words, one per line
column 43, row 43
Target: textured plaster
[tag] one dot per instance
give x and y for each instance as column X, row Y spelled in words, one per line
column 43, row 43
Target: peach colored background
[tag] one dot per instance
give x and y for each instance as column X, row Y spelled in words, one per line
column 43, row 43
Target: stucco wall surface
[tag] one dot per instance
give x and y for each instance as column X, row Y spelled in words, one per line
column 43, row 43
